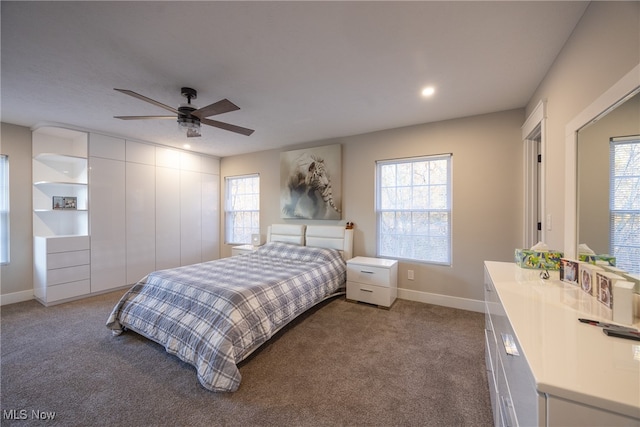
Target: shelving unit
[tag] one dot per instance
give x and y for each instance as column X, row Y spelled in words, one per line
column 60, row 227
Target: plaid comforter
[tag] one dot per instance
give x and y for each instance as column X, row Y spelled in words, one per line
column 214, row 314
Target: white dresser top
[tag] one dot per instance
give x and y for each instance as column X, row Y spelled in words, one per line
column 568, row 359
column 373, row 262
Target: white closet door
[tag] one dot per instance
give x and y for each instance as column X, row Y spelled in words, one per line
column 140, row 220
column 190, row 217
column 210, row 217
column 167, row 218
column 107, row 223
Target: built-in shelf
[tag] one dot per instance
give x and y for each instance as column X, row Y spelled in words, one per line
column 60, row 169
column 60, row 210
column 59, row 158
column 52, row 183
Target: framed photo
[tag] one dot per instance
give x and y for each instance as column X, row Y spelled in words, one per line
column 605, row 288
column 65, row 203
column 569, row 271
column 310, row 183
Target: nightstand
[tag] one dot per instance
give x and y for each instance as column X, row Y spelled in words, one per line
column 372, row 280
column 242, row 249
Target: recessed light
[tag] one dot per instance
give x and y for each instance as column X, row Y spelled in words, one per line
column 428, row 91
column 187, row 146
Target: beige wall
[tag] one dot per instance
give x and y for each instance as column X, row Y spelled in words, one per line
column 603, row 48
column 17, row 276
column 487, row 196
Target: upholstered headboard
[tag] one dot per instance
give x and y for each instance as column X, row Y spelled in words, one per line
column 322, row 236
column 331, row 236
column 288, row 233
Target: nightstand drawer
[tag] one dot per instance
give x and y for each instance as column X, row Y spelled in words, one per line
column 242, row 249
column 371, row 294
column 368, row 274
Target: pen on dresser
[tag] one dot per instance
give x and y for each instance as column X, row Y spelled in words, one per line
column 607, row 325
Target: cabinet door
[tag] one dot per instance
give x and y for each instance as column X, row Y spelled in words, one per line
column 167, row 218
column 107, row 224
column 190, row 217
column 210, row 217
column 140, row 220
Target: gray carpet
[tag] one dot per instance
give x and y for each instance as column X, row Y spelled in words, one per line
column 339, row 364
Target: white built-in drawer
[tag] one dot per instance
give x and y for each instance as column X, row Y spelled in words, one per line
column 68, row 290
column 67, row 259
column 371, row 294
column 368, row 274
column 67, row 243
column 68, row 274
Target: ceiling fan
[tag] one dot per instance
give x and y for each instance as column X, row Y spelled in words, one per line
column 189, row 116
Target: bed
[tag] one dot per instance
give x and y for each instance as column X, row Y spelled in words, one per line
column 214, row 314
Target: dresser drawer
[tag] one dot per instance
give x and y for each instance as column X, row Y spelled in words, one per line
column 68, row 290
column 371, row 275
column 68, row 274
column 371, row 294
column 66, row 243
column 67, row 259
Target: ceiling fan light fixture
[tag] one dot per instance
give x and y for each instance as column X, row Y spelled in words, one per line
column 190, row 125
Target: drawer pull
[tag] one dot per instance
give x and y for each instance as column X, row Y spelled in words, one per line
column 366, row 290
column 509, row 345
column 365, row 271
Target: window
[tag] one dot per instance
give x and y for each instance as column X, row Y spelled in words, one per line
column 624, row 202
column 4, row 209
column 242, row 208
column 413, row 208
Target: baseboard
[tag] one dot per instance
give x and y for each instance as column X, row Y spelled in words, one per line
column 444, row 300
column 15, row 297
column 408, row 294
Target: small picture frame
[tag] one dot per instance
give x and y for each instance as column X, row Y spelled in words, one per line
column 569, row 271
column 605, row 290
column 65, row 203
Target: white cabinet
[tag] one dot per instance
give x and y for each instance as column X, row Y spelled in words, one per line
column 190, row 203
column 61, row 268
column 544, row 367
column 167, row 218
column 372, row 280
column 140, row 210
column 210, row 208
column 145, row 208
column 107, row 214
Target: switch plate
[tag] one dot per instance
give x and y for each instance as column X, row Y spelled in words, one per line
column 410, row 274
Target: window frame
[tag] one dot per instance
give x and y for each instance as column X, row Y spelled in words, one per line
column 615, row 211
column 5, row 211
column 229, row 233
column 447, row 209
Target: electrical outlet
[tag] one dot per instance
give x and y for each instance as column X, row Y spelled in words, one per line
column 410, row 274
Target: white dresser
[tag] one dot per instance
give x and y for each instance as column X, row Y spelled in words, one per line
column 372, row 280
column 544, row 367
column 62, row 268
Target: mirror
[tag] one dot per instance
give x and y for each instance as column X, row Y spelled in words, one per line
column 593, row 142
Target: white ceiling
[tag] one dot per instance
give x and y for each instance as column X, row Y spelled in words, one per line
column 300, row 71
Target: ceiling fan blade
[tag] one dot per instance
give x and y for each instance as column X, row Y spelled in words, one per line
column 219, row 107
column 227, row 126
column 143, row 117
column 149, row 100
